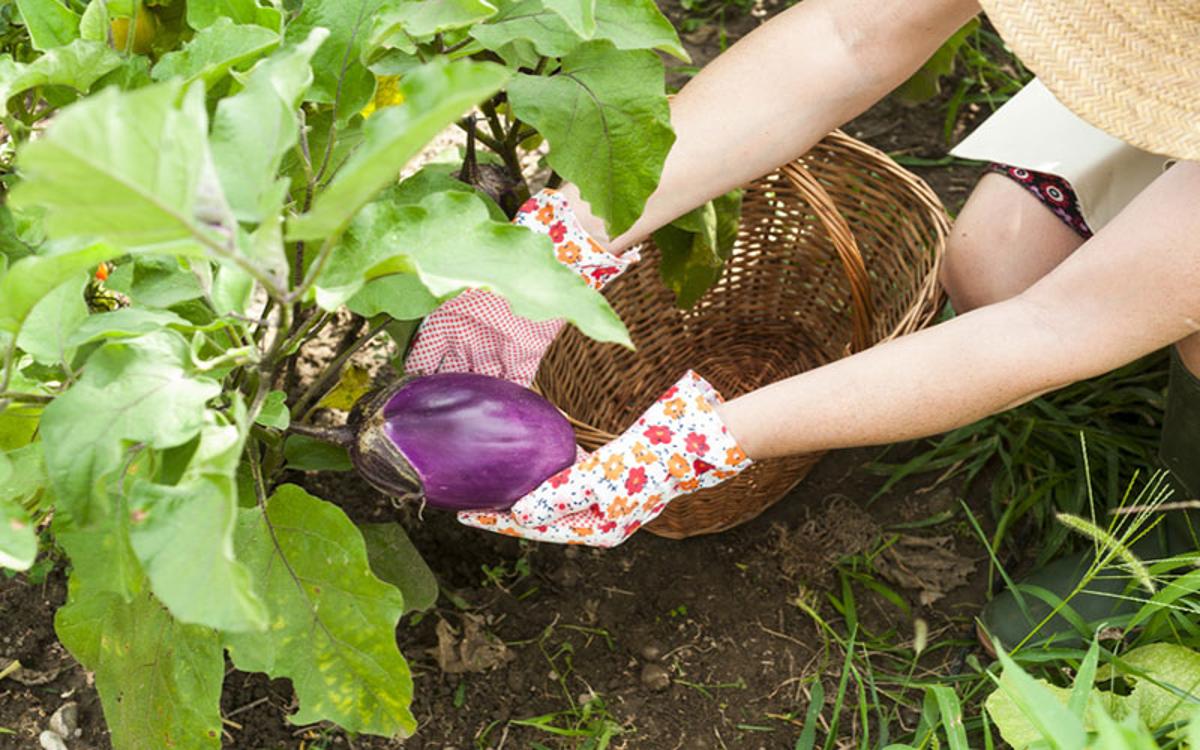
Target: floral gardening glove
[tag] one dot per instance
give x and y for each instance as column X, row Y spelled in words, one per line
column 477, row 332
column 678, row 446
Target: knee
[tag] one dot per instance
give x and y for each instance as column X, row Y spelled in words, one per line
column 972, row 273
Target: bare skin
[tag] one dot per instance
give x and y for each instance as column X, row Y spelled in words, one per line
column 1042, row 308
column 1128, row 291
column 778, row 91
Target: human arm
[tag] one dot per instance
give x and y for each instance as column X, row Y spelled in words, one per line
column 779, row 90
column 1128, row 291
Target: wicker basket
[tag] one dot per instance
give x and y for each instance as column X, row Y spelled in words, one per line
column 837, row 251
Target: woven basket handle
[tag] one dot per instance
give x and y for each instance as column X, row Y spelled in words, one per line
column 862, row 312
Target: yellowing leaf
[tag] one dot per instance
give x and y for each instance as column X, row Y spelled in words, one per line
column 352, row 386
column 387, row 94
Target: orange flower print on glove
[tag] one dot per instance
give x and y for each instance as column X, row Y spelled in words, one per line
column 671, row 450
column 678, row 466
column 642, row 455
column 614, row 466
column 568, row 253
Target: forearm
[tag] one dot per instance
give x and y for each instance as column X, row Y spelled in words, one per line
column 1127, row 292
column 923, row 384
column 779, row 90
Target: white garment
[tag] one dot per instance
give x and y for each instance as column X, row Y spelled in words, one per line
column 1033, row 130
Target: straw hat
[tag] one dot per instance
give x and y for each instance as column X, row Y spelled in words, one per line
column 1129, row 67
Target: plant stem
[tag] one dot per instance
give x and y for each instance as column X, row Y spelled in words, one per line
column 24, row 398
column 10, row 359
column 307, row 402
column 487, row 140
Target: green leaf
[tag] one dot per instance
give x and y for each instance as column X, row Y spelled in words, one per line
column 101, row 555
column 338, row 73
column 132, row 391
column 159, row 680
column 580, row 15
column 49, row 328
column 183, row 534
column 18, row 540
column 307, row 454
column 400, row 295
column 30, row 279
column 695, row 247
column 628, row 24
column 450, row 243
column 126, row 322
column 274, row 412
column 1084, row 680
column 434, row 96
column 215, row 50
column 437, row 177
column 93, row 25
column 396, row 561
column 1170, row 670
column 18, row 423
column 78, row 64
column 1026, row 710
column 28, row 474
column 51, row 23
column 332, row 621
column 608, row 124
column 254, row 128
column 204, row 13
column 127, row 167
column 398, row 25
column 952, row 716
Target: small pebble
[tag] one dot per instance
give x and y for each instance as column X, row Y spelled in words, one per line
column 656, row 678
column 652, row 652
column 51, row 741
column 65, row 720
column 568, row 574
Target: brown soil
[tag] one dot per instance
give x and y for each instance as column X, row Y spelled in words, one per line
column 694, row 644
column 714, row 616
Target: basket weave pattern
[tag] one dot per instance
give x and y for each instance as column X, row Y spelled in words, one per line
column 836, row 252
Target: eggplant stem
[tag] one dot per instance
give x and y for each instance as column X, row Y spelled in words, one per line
column 340, row 435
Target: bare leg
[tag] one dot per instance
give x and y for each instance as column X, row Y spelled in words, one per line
column 1003, row 241
column 1126, row 292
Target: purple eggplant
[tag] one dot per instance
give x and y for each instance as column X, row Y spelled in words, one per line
column 462, row 441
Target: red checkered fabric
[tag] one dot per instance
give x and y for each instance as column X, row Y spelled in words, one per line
column 478, row 332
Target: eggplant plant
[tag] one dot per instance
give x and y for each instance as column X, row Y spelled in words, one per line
column 193, row 189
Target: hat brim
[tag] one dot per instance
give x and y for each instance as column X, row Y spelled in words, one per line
column 1129, row 67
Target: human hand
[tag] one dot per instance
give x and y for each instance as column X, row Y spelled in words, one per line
column 679, row 445
column 478, row 332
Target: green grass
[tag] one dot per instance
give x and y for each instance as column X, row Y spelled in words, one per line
column 886, row 689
